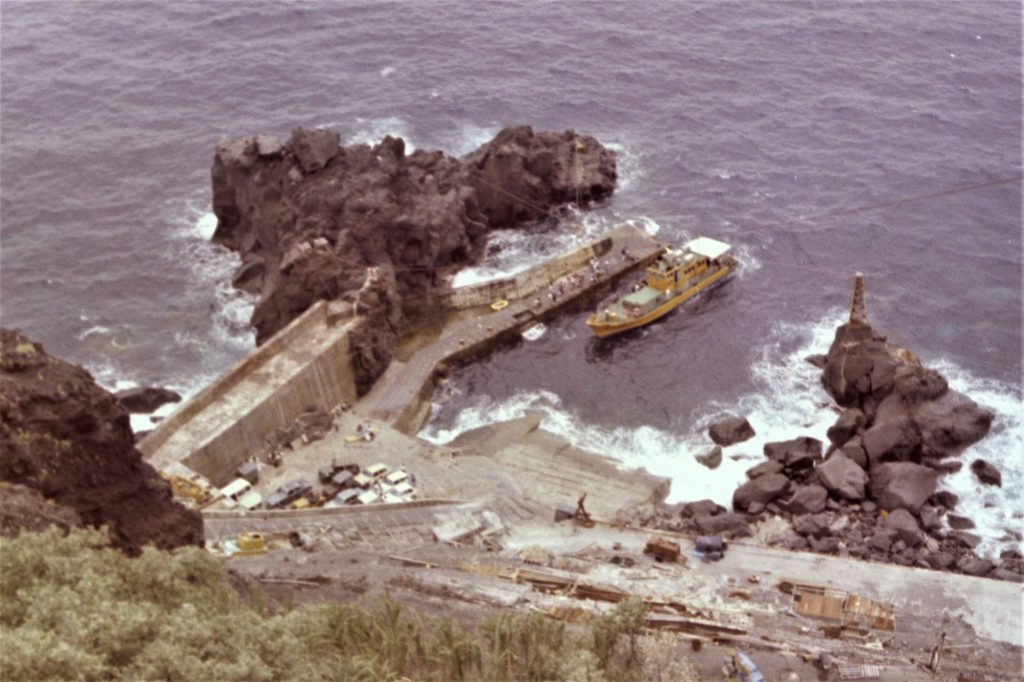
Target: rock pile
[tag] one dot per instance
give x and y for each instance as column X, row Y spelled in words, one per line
column 314, row 220
column 67, row 456
column 872, row 493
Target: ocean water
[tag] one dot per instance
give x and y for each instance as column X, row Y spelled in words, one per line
column 767, row 125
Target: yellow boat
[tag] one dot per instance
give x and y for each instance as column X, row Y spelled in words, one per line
column 675, row 277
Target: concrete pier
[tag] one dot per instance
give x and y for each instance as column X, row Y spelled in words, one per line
column 402, row 396
column 307, row 363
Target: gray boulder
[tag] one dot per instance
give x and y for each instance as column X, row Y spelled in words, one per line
column 972, row 565
column 917, row 384
column 905, row 526
column 762, row 490
column 314, row 147
column 144, row 399
column 986, row 473
column 854, row 449
column 700, row 508
column 962, row 537
column 950, row 423
column 895, row 439
column 842, row 477
column 957, row 522
column 813, row 525
column 807, row 499
column 729, row 524
column 764, row 468
column 799, row 453
column 846, row 426
column 712, row 458
column 902, row 485
column 730, row 430
column 881, row 540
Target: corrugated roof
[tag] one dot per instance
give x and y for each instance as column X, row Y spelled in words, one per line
column 706, row 246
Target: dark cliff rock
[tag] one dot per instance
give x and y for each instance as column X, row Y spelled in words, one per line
column 144, row 399
column 731, row 430
column 310, row 217
column 67, row 440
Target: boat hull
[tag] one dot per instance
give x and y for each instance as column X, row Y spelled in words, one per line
column 603, row 328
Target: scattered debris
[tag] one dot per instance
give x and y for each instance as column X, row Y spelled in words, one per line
column 851, row 610
column 662, row 549
column 582, row 518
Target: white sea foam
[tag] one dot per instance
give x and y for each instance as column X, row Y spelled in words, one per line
column 372, row 130
column 627, row 164
column 788, row 401
column 468, row 137
column 994, row 510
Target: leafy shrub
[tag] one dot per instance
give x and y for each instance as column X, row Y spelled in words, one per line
column 72, row 608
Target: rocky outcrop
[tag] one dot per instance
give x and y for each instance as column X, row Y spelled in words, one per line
column 68, row 441
column 731, row 430
column 874, row 495
column 310, row 218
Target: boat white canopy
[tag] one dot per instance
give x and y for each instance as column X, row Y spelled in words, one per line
column 708, row 247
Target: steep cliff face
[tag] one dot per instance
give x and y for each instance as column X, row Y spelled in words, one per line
column 69, row 441
column 310, row 217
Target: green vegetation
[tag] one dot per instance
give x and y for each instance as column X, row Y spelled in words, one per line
column 73, row 608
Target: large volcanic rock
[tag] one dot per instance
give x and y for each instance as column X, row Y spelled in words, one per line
column 68, row 441
column 309, row 217
column 909, row 410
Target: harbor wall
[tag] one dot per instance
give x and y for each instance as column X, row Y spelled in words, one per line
column 320, row 381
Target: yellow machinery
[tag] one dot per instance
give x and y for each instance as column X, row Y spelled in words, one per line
column 250, row 544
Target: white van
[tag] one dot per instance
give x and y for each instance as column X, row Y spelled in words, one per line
column 377, row 471
column 397, row 477
column 241, row 494
column 369, row 497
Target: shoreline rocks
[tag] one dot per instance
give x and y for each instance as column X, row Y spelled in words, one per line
column 67, row 441
column 873, row 494
column 378, row 227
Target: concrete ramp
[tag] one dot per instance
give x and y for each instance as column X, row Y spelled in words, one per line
column 304, row 365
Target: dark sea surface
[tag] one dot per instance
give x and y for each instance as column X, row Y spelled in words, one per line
column 760, row 124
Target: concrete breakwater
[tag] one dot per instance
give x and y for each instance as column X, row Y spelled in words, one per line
column 307, row 364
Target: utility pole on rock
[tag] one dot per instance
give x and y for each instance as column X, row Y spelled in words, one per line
column 858, row 309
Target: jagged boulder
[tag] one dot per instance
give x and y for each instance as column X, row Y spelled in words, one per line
column 902, row 485
column 712, row 458
column 765, row 468
column 950, row 423
column 760, row 490
column 986, row 473
column 849, row 422
column 700, row 508
column 70, row 441
column 807, row 499
column 796, row 454
column 145, row 399
column 728, row 524
column 905, row 526
column 896, row 439
column 731, row 430
column 843, row 477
